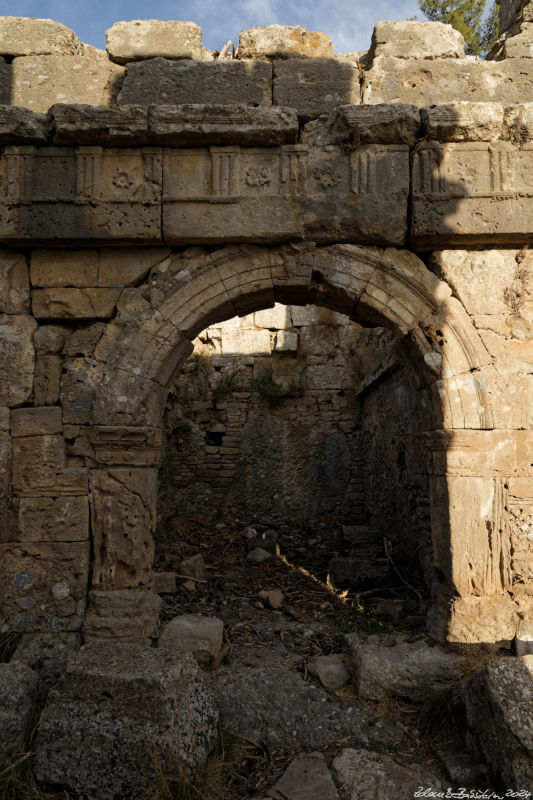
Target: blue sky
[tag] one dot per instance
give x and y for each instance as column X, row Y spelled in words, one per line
column 348, row 22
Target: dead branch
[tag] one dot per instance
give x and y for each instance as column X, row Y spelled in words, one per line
column 387, row 546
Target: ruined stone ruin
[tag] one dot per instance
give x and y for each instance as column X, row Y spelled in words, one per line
column 150, row 194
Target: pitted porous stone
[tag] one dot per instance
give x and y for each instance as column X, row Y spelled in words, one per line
column 518, row 123
column 127, row 615
column 315, row 86
column 98, row 125
column 200, row 124
column 284, row 41
column 425, row 82
column 22, row 126
column 141, row 39
column 23, row 36
column 353, row 125
column 41, row 81
column 412, row 39
column 17, row 690
column 498, row 700
column 162, row 81
column 364, row 775
column 384, row 667
column 463, row 122
column 120, row 713
column 520, row 46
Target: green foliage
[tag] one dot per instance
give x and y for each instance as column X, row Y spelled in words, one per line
column 466, row 16
column 200, row 363
column 268, row 388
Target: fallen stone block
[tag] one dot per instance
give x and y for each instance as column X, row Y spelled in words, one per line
column 330, row 670
column 120, row 714
column 364, row 775
column 161, row 81
column 413, row 39
column 272, row 597
column 39, row 82
column 140, row 39
column 200, row 124
column 284, row 41
column 98, row 125
column 386, row 667
column 126, row 615
column 193, row 568
column 201, row 636
column 164, row 582
column 22, row 126
column 498, row 701
column 307, row 776
column 17, row 689
column 27, row 36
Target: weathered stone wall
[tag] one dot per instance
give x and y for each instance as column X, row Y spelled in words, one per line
column 265, row 415
column 126, row 230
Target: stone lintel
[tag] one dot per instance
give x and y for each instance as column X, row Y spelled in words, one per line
column 481, row 453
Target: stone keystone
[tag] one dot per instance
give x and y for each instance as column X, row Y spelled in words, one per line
column 147, row 38
column 120, row 714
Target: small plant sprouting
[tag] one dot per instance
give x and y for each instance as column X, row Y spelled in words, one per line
column 268, row 388
column 200, row 363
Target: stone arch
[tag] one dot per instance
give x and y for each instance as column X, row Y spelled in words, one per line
column 150, row 337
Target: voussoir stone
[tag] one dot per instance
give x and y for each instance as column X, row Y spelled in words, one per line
column 120, row 713
column 163, row 81
column 365, row 124
column 26, row 36
column 39, row 82
column 141, row 39
column 384, row 667
column 17, row 689
column 99, row 125
column 284, row 41
column 498, row 701
column 201, row 636
column 22, row 126
column 412, row 39
column 200, row 124
column 463, row 122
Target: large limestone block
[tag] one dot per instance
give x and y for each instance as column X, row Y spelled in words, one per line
column 62, row 268
column 17, row 358
column 84, row 195
column 129, row 266
column 352, row 125
column 425, row 82
column 195, row 125
column 39, row 468
column 43, row 585
column 125, row 615
column 36, row 421
column 498, row 700
column 364, row 775
column 284, row 41
column 17, row 689
column 23, row 36
column 122, row 520
column 121, row 715
column 140, row 39
column 74, row 303
column 54, row 519
column 463, row 122
column 520, row 46
column 98, row 125
column 41, row 81
column 472, row 192
column 14, row 283
column 413, row 39
column 22, row 126
column 314, row 86
column 160, row 81
column 201, row 636
column 384, row 667
column 276, row 318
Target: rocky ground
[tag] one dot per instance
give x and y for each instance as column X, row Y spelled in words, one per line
column 280, row 615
